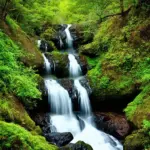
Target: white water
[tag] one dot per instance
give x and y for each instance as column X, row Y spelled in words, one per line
column 74, row 67
column 83, row 98
column 47, row 64
column 58, row 97
column 38, row 43
column 69, row 39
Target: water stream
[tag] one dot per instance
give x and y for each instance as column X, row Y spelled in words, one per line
column 63, row 117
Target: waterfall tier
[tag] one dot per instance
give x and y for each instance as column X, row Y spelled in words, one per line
column 58, row 98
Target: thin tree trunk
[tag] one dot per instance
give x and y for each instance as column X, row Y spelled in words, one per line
column 4, row 10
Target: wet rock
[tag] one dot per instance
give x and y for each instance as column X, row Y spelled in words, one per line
column 80, row 145
column 69, row 86
column 46, row 46
column 42, row 120
column 111, row 123
column 83, row 63
column 84, row 82
column 60, row 139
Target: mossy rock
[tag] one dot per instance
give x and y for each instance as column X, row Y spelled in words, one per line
column 16, row 137
column 60, row 63
column 139, row 109
column 138, row 140
column 11, row 110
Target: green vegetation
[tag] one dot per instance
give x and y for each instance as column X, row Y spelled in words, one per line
column 15, row 137
column 15, row 77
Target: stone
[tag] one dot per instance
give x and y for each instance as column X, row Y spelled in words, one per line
column 112, row 123
column 60, row 139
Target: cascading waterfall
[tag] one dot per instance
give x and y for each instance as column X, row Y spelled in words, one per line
column 60, row 103
column 74, row 67
column 46, row 64
column 58, row 98
column 69, row 39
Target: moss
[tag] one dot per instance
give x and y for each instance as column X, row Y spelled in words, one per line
column 15, row 137
column 31, row 55
column 49, row 34
column 13, row 111
column 15, row 77
column 139, row 108
column 61, row 63
column 137, row 140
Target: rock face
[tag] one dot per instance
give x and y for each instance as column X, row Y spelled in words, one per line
column 83, row 63
column 60, row 139
column 68, row 85
column 43, row 120
column 113, row 124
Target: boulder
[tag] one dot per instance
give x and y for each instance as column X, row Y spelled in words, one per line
column 112, row 123
column 80, row 145
column 60, row 139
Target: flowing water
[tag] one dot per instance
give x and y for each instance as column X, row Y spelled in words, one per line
column 46, row 64
column 63, row 117
column 58, row 98
column 74, row 67
column 84, row 101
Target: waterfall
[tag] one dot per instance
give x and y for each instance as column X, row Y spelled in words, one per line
column 60, row 42
column 63, row 118
column 69, row 39
column 74, row 67
column 83, row 98
column 58, row 97
column 46, row 64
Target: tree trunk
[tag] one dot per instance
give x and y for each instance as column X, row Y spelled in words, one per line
column 4, row 10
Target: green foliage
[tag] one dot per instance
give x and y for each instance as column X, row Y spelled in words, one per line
column 104, row 82
column 15, row 137
column 18, row 79
column 140, row 106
